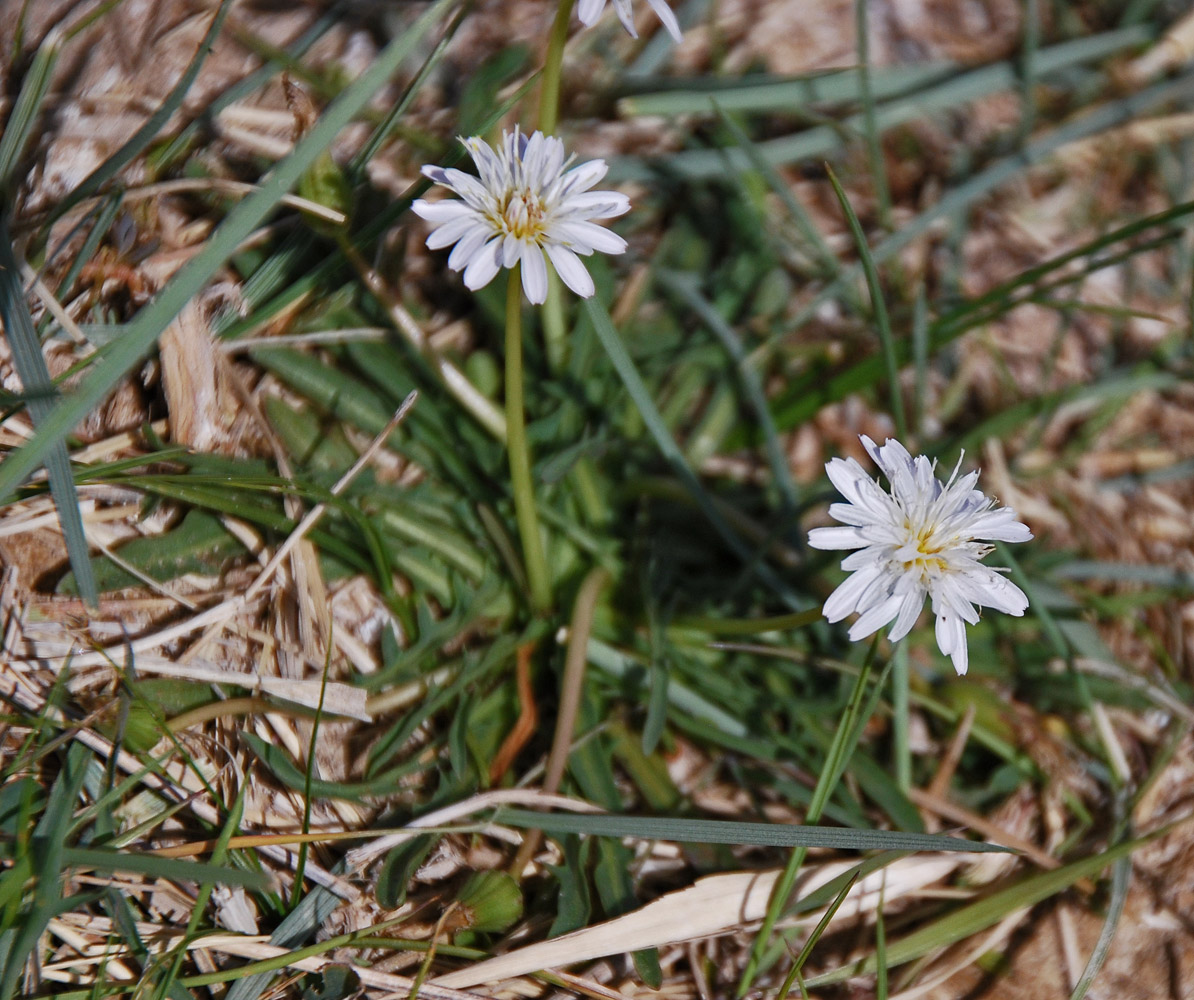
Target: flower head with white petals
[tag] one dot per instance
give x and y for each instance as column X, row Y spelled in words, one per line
column 527, row 201
column 589, row 10
column 924, row 538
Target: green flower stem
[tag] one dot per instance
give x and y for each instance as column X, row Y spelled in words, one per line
column 555, row 326
column 520, row 456
column 588, row 491
column 900, row 696
column 549, row 93
column 555, row 332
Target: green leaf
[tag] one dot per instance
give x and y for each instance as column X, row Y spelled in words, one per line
column 200, row 544
column 287, row 772
column 398, row 868
column 574, row 906
column 95, row 859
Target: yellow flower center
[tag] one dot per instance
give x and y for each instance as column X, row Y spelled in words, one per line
column 928, row 556
column 521, row 216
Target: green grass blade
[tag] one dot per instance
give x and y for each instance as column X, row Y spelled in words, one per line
column 878, row 305
column 870, row 127
column 808, row 395
column 19, row 127
column 714, row 831
column 679, row 696
column 49, row 854
column 776, row 94
column 825, row 140
column 251, row 83
column 141, row 334
column 299, row 925
column 1121, row 882
column 818, row 249
column 35, row 378
column 845, row 738
column 95, row 859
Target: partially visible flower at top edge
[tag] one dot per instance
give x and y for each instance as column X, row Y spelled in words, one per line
column 924, row 538
column 589, row 10
column 525, row 203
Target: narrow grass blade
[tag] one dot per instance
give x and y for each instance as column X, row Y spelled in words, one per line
column 818, row 248
column 680, row 697
column 983, row 913
column 845, row 738
column 141, row 334
column 35, row 378
column 95, row 859
column 385, row 128
column 816, row 934
column 807, row 396
column 251, row 83
column 870, row 127
column 144, row 136
column 299, row 925
column 655, row 424
column 713, row 831
column 825, row 140
column 48, row 850
column 18, row 129
column 878, row 305
column 776, row 94
column 101, row 218
column 1121, row 882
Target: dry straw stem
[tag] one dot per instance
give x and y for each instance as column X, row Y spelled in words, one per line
column 318, row 510
column 53, row 306
column 339, row 699
column 1145, row 134
column 717, row 904
column 17, row 689
column 222, row 613
column 161, row 940
column 1175, row 48
column 218, row 185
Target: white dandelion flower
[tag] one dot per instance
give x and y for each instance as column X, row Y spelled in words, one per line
column 589, row 10
column 527, row 201
column 926, row 537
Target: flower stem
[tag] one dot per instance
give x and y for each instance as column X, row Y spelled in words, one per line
column 520, row 457
column 549, row 92
column 900, row 716
column 555, row 329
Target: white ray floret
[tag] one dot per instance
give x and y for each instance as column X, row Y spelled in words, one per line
column 589, row 10
column 527, row 205
column 924, row 538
